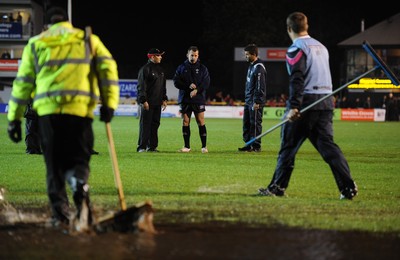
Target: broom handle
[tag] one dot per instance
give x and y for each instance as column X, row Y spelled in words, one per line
column 111, row 146
column 117, row 177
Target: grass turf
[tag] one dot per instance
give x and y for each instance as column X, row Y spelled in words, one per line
column 221, row 186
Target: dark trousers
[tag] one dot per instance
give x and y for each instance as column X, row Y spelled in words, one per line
column 148, row 127
column 66, row 142
column 32, row 140
column 252, row 124
column 315, row 125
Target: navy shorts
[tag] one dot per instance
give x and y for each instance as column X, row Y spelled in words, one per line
column 191, row 108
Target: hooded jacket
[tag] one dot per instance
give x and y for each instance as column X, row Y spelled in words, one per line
column 58, row 67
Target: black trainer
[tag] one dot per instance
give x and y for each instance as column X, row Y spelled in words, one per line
column 57, row 224
column 349, row 193
column 245, row 149
column 271, row 191
column 265, row 192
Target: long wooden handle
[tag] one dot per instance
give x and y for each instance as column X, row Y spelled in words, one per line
column 117, row 177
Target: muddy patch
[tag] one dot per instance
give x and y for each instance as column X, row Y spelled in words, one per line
column 25, row 236
column 210, row 241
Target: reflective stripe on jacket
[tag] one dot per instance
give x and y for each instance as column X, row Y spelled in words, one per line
column 56, row 66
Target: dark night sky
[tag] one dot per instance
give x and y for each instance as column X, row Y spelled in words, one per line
column 130, row 32
column 173, row 26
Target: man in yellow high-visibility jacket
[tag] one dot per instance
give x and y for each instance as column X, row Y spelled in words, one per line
column 68, row 71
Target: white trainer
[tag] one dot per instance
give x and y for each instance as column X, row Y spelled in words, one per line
column 204, row 150
column 184, row 150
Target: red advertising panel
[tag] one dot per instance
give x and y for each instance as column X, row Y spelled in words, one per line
column 8, row 65
column 358, row 114
column 276, row 54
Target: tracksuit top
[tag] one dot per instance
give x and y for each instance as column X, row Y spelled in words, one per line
column 308, row 81
column 255, row 90
column 188, row 73
column 152, row 84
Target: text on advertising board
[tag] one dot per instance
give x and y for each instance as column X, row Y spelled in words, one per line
column 128, row 88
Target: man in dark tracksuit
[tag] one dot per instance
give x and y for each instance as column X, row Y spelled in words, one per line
column 255, row 92
column 310, row 80
column 152, row 97
column 192, row 79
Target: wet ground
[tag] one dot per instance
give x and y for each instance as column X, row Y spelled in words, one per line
column 24, row 235
column 205, row 241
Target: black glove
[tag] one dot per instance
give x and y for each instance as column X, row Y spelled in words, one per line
column 106, row 114
column 14, row 131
